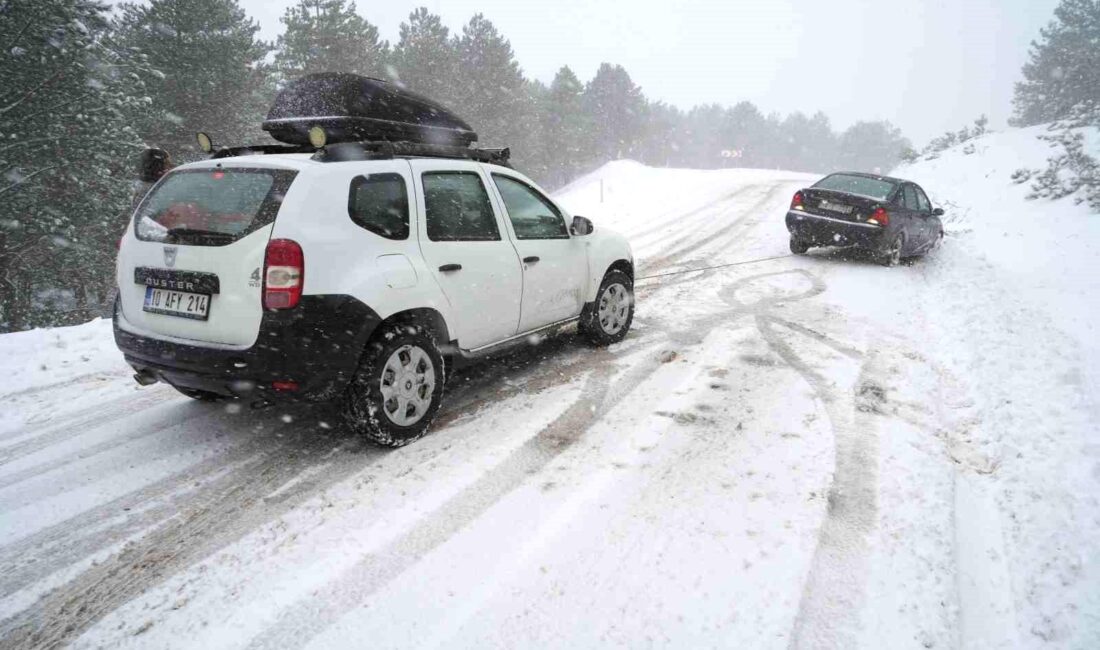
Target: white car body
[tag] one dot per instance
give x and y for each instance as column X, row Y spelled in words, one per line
column 501, row 293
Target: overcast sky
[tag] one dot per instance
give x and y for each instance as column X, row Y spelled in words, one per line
column 925, row 65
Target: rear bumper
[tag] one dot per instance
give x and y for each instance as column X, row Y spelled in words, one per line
column 827, row 231
column 317, row 344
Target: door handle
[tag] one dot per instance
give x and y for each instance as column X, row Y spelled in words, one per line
column 450, row 267
column 531, row 259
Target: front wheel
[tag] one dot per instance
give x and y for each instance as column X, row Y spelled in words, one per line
column 396, row 392
column 608, row 319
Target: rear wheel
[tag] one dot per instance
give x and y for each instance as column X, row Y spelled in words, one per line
column 396, row 392
column 891, row 255
column 200, row 395
column 799, row 246
column 608, row 319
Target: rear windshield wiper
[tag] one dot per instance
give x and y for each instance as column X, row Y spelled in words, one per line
column 192, row 233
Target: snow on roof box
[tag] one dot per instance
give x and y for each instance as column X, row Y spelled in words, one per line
column 353, row 108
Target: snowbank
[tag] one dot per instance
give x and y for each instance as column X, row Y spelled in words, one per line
column 43, row 357
column 1048, row 248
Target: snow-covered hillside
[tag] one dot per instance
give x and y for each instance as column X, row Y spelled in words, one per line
column 1048, row 249
column 806, row 452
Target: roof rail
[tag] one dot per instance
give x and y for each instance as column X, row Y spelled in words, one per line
column 373, row 150
column 251, row 150
column 369, row 150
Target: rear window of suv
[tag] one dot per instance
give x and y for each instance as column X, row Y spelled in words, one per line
column 211, row 207
column 861, row 185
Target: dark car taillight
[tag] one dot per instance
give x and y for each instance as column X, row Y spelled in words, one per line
column 796, row 201
column 880, row 217
column 284, row 274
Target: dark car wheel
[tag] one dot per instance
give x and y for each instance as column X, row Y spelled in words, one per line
column 891, row 255
column 608, row 319
column 799, row 246
column 396, row 392
column 200, row 395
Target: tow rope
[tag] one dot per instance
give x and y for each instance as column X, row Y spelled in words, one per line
column 716, row 266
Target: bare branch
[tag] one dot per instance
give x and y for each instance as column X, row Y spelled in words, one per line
column 27, row 178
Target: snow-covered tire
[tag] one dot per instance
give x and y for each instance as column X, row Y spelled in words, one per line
column 200, row 395
column 891, row 255
column 799, row 246
column 607, row 320
column 396, row 392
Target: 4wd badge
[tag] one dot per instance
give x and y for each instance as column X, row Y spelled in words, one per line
column 170, row 256
column 254, row 279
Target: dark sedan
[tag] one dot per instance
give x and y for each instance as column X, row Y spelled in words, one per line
column 890, row 217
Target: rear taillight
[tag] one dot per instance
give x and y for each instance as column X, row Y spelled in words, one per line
column 284, row 273
column 796, row 201
column 879, row 217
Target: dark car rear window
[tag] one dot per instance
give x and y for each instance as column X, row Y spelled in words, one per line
column 861, row 185
column 211, row 207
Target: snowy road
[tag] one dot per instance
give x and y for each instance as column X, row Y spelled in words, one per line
column 806, row 452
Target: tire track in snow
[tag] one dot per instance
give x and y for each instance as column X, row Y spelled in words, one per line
column 697, row 241
column 15, row 440
column 310, row 616
column 748, row 219
column 186, row 527
column 690, row 218
column 193, row 514
column 151, row 423
column 829, row 611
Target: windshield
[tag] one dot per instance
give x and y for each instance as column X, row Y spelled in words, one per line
column 210, row 206
column 861, row 185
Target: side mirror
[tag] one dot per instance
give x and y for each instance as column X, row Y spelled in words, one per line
column 581, row 226
column 938, row 212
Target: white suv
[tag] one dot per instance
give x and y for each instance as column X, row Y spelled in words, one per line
column 355, row 277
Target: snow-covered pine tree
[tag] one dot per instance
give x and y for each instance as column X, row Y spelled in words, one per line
column 660, row 135
column 210, row 73
column 808, row 142
column 328, row 36
column 1062, row 86
column 702, row 138
column 1071, row 170
column 746, row 128
column 616, row 108
column 424, row 58
column 564, row 127
column 68, row 95
column 1063, row 69
column 871, row 146
column 490, row 88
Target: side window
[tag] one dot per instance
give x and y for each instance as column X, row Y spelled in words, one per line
column 911, row 198
column 380, row 204
column 923, row 202
column 457, row 208
column 532, row 215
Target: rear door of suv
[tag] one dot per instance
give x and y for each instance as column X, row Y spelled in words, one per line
column 466, row 247
column 189, row 266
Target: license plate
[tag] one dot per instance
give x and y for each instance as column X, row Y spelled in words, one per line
column 177, row 303
column 836, row 207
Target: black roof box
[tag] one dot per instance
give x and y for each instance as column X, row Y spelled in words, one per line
column 353, row 108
